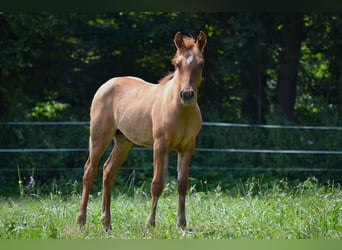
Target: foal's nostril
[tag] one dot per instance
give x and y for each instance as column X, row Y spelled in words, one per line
column 187, row 95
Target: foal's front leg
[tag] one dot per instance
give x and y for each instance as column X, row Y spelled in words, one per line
column 184, row 158
column 160, row 162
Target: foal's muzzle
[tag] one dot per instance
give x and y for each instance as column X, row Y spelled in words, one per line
column 187, row 95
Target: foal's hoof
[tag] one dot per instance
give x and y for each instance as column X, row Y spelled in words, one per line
column 181, row 222
column 80, row 222
column 80, row 227
column 150, row 223
column 105, row 219
column 107, row 228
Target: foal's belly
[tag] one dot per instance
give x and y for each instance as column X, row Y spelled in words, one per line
column 136, row 127
column 142, row 137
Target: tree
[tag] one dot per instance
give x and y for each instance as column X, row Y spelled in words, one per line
column 33, row 63
column 288, row 64
column 337, row 52
column 252, row 59
column 255, row 63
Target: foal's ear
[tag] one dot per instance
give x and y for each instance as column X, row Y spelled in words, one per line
column 178, row 40
column 201, row 40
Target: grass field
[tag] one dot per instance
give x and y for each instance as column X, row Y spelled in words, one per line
column 309, row 211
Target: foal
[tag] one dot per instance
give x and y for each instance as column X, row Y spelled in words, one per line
column 165, row 116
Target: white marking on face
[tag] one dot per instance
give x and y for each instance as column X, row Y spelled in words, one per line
column 190, row 59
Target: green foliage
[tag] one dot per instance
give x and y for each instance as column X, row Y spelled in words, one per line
column 48, row 110
column 72, row 54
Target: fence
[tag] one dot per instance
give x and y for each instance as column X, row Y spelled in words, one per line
column 226, row 153
column 201, row 149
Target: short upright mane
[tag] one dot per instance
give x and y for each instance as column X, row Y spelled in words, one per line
column 166, row 78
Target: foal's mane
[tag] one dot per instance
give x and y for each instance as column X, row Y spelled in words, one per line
column 166, row 78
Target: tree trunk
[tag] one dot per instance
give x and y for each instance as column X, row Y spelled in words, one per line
column 288, row 63
column 336, row 34
column 254, row 107
column 339, row 86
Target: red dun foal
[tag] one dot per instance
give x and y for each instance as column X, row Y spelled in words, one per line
column 165, row 116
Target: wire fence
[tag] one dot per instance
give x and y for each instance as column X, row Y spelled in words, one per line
column 216, row 124
column 198, row 149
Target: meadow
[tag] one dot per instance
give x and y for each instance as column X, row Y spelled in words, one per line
column 250, row 211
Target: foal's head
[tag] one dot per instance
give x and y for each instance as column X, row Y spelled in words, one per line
column 188, row 63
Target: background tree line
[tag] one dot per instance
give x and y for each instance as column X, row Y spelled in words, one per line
column 260, row 67
column 257, row 64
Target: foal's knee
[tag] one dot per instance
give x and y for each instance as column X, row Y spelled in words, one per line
column 157, row 188
column 182, row 185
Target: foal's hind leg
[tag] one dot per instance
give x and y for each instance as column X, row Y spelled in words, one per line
column 110, row 170
column 98, row 142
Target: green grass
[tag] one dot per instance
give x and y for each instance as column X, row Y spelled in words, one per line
column 309, row 211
